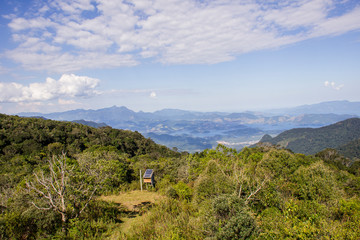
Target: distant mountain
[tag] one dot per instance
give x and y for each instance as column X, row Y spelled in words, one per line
column 313, row 140
column 90, row 123
column 109, row 115
column 211, row 127
column 183, row 143
column 122, row 117
column 335, row 107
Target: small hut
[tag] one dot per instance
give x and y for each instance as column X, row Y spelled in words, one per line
column 149, row 177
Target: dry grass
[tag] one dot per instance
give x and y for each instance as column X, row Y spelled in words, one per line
column 133, row 198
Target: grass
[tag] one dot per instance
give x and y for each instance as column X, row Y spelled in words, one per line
column 135, row 202
column 134, row 198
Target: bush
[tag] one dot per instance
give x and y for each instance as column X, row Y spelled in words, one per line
column 212, row 182
column 169, row 219
column 85, row 229
column 229, row 218
column 316, row 182
column 183, row 191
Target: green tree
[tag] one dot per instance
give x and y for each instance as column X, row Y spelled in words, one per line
column 105, row 169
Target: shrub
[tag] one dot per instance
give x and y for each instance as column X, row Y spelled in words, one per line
column 183, row 191
column 316, row 182
column 229, row 218
column 212, row 182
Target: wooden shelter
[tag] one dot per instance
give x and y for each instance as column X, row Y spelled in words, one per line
column 149, row 177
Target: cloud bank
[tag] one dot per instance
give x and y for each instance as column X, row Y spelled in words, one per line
column 68, row 35
column 69, row 85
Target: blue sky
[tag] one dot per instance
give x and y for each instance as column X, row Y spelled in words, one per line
column 204, row 55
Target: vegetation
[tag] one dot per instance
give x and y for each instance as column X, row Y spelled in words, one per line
column 343, row 136
column 69, row 181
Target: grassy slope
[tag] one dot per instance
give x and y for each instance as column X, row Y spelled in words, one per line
column 135, row 202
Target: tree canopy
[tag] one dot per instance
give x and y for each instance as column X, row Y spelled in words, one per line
column 256, row 193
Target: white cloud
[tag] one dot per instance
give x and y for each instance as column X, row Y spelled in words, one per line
column 121, row 33
column 73, row 6
column 66, row 102
column 333, row 85
column 67, row 62
column 19, row 24
column 299, row 14
column 67, row 86
column 339, row 25
column 153, row 95
column 30, row 107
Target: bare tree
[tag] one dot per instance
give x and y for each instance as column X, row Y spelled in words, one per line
column 250, row 180
column 256, row 186
column 54, row 188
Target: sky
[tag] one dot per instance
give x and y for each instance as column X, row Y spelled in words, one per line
column 201, row 55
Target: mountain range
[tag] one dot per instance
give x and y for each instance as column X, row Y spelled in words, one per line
column 194, row 131
column 336, row 107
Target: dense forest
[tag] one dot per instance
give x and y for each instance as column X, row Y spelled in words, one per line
column 343, row 136
column 54, row 175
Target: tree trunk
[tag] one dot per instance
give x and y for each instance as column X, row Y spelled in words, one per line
column 64, row 224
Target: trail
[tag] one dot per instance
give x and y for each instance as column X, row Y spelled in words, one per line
column 136, row 203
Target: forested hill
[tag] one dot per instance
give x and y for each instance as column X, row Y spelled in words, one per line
column 222, row 193
column 31, row 136
column 313, row 140
column 89, row 161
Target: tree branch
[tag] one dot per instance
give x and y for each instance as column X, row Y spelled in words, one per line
column 40, row 208
column 256, row 191
column 92, row 194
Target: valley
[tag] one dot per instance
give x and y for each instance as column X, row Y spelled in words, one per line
column 193, row 131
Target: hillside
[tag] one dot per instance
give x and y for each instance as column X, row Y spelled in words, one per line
column 29, row 136
column 63, row 180
column 84, row 162
column 313, row 140
column 350, row 149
